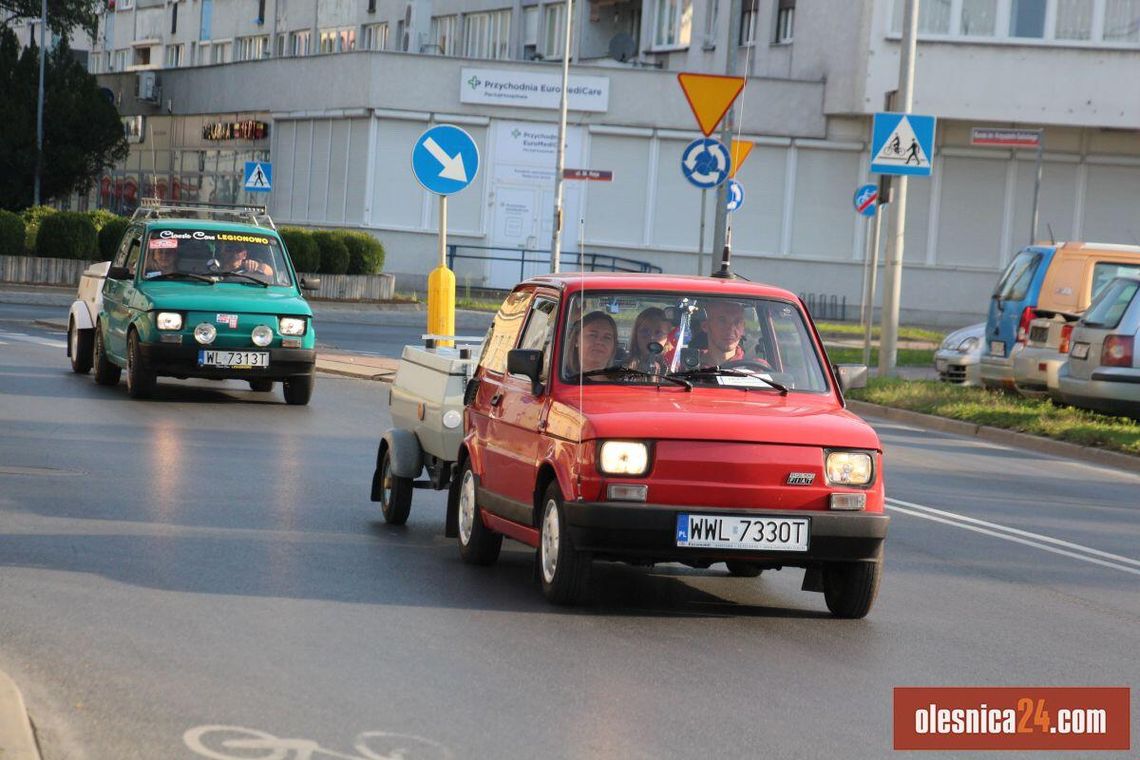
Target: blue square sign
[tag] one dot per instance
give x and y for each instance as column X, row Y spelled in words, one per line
column 902, row 143
column 258, row 176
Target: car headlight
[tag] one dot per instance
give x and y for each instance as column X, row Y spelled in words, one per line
column 623, row 458
column 291, row 325
column 168, row 320
column 968, row 345
column 262, row 336
column 849, row 468
column 205, row 333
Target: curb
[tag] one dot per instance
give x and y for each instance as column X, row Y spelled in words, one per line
column 1034, row 443
column 17, row 742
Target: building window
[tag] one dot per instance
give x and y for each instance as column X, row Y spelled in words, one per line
column 933, row 17
column 120, row 60
column 712, row 14
column 125, row 5
column 979, row 18
column 1074, row 19
column 1027, row 18
column 174, row 56
column 786, row 21
column 205, row 26
column 252, row 48
column 487, row 35
column 221, row 52
column 1122, row 21
column 553, row 32
column 375, row 36
column 443, row 31
column 748, row 22
column 141, row 56
column 674, row 24
column 299, row 42
column 339, row 40
column 174, row 19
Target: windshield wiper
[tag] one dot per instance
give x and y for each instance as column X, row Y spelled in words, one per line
column 178, row 276
column 630, row 372
column 718, row 371
column 252, row 279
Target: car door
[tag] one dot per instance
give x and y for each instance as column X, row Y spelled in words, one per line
column 117, row 294
column 1017, row 289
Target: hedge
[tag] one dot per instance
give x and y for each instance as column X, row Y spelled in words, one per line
column 365, row 253
column 101, row 217
column 334, row 253
column 110, row 236
column 32, row 217
column 302, row 249
column 11, row 234
column 67, row 235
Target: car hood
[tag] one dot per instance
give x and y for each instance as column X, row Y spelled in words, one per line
column 954, row 339
column 797, row 419
column 224, row 296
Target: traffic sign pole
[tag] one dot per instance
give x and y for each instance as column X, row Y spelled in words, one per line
column 441, row 286
column 720, row 225
column 870, row 274
column 701, row 242
column 1036, row 189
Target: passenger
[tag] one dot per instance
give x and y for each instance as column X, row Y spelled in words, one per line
column 651, row 326
column 724, row 329
column 236, row 258
column 593, row 343
column 162, row 261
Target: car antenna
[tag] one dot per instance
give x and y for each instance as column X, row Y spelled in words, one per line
column 1052, row 239
column 726, row 257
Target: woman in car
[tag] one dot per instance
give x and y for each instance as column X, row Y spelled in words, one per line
column 592, row 342
column 651, row 326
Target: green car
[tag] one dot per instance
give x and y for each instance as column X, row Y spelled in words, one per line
column 208, row 299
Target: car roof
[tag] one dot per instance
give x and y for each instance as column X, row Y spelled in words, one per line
column 208, row 224
column 574, row 281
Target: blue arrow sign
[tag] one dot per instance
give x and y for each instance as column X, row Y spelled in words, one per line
column 705, row 163
column 866, row 199
column 258, row 176
column 902, row 143
column 735, row 195
column 445, row 159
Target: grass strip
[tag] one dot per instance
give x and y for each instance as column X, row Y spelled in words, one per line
column 1003, row 410
column 906, row 357
column 848, row 330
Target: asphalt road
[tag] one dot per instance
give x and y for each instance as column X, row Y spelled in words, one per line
column 210, row 558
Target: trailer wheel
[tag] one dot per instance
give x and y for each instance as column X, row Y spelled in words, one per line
column 395, row 493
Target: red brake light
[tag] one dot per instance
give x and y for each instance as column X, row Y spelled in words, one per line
column 1027, row 315
column 1117, row 351
column 1066, row 337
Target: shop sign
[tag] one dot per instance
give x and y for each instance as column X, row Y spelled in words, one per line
column 249, row 129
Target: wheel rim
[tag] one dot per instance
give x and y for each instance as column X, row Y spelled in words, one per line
column 131, row 348
column 386, row 480
column 550, row 541
column 467, row 507
column 73, row 341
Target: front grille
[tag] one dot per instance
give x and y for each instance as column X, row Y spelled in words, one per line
column 954, row 373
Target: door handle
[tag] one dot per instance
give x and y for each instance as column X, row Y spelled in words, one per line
column 496, row 399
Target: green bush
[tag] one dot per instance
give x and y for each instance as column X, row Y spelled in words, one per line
column 101, row 217
column 302, row 249
column 67, row 235
column 365, row 253
column 11, row 234
column 334, row 254
column 110, row 235
column 32, row 217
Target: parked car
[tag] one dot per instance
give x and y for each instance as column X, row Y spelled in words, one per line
column 1103, row 371
column 1063, row 277
column 192, row 292
column 652, row 418
column 1046, row 350
column 958, row 359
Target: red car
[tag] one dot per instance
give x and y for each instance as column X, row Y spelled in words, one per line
column 656, row 418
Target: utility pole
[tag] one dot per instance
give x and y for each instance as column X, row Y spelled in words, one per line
column 556, row 237
column 40, row 105
column 892, row 288
column 720, row 223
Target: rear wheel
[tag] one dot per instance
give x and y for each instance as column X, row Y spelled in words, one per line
column 563, row 571
column 849, row 588
column 106, row 373
column 261, row 386
column 739, row 569
column 395, row 492
column 478, row 544
column 79, row 347
column 298, row 389
column 140, row 380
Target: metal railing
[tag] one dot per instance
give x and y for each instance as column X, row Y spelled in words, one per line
column 827, row 307
column 157, row 208
column 584, row 261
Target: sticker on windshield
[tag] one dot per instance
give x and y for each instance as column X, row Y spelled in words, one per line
column 163, row 243
column 757, row 379
column 243, row 238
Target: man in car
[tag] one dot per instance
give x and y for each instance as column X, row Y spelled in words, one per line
column 236, row 258
column 724, row 329
column 162, row 261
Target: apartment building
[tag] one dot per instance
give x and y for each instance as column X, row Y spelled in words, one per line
column 335, row 92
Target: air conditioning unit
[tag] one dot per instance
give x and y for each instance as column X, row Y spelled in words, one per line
column 149, row 89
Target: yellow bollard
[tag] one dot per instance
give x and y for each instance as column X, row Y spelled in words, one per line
column 441, row 303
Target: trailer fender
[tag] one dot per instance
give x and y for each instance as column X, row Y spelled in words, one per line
column 407, row 456
column 80, row 316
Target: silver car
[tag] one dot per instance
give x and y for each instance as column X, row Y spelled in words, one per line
column 958, row 359
column 1103, row 372
column 1046, row 350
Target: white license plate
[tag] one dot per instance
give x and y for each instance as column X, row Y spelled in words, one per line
column 997, row 348
column 787, row 534
column 1080, row 351
column 233, row 359
column 940, row 365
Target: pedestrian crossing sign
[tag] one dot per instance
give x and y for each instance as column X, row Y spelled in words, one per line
column 258, row 176
column 902, row 144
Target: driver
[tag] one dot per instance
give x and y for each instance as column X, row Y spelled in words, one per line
column 724, row 328
column 162, row 261
column 235, row 258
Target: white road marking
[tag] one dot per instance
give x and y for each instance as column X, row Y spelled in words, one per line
column 25, row 338
column 1036, row 540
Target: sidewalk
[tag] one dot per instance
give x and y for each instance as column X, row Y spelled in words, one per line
column 17, row 742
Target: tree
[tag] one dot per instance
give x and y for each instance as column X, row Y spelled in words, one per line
column 83, row 133
column 64, row 16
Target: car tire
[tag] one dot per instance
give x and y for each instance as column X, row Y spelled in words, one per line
column 563, row 571
column 478, row 544
column 395, row 492
column 740, row 569
column 140, row 380
column 106, row 373
column 80, row 348
column 849, row 588
column 298, row 389
column 261, row 386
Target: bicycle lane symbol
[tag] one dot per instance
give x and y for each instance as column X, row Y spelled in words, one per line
column 240, row 743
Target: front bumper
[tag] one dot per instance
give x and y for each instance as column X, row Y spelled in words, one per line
column 1035, row 370
column 957, row 368
column 182, row 361
column 648, row 532
column 997, row 372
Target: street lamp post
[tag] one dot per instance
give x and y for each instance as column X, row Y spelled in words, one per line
column 40, row 104
column 556, row 237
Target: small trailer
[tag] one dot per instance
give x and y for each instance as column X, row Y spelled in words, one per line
column 83, row 315
column 426, row 401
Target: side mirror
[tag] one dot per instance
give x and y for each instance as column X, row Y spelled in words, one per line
column 119, row 273
column 851, row 376
column 310, row 283
column 528, row 363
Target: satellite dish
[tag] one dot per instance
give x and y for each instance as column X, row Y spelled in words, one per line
column 623, row 47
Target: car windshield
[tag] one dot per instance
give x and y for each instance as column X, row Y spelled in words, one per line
column 1109, row 306
column 232, row 256
column 637, row 337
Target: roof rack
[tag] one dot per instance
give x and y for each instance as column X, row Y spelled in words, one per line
column 156, row 208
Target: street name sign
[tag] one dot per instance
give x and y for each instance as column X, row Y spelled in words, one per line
column 258, row 176
column 445, row 159
column 705, row 163
column 902, row 143
column 596, row 175
column 1005, row 138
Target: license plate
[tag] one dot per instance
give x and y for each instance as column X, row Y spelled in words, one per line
column 787, row 534
column 1080, row 351
column 997, row 348
column 233, row 359
column 940, row 365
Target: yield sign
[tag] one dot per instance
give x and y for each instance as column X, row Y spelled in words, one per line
column 740, row 151
column 710, row 97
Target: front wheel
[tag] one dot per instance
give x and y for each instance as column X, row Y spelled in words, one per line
column 106, row 373
column 140, row 380
column 79, row 348
column 395, row 492
column 298, row 389
column 849, row 588
column 563, row 570
column 478, row 544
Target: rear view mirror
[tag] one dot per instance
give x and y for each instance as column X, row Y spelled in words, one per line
column 310, row 283
column 528, row 363
column 851, row 376
column 118, row 273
